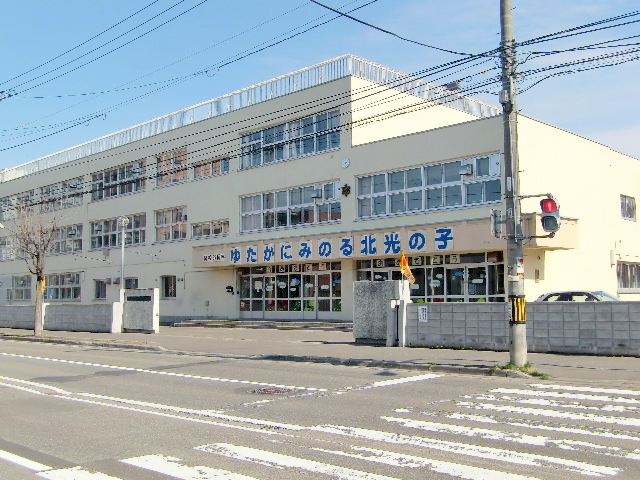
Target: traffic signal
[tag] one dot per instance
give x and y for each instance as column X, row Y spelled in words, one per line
column 550, row 215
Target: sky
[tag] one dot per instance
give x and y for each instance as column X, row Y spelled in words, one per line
column 76, row 70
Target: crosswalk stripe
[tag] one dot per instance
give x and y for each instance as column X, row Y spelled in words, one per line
column 488, row 434
column 589, row 417
column 75, row 473
column 264, row 457
column 611, row 391
column 498, row 454
column 457, row 470
column 540, row 425
column 171, row 466
column 545, row 402
column 573, row 396
column 23, row 462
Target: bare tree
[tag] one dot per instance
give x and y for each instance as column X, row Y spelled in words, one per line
column 35, row 234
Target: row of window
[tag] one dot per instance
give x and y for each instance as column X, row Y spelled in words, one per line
column 171, row 224
column 464, row 182
column 122, row 180
column 304, row 136
column 66, row 286
column 309, row 205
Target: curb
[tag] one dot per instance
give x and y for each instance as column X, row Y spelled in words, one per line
column 430, row 367
column 353, row 362
column 136, row 346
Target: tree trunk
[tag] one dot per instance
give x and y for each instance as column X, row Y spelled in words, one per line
column 37, row 330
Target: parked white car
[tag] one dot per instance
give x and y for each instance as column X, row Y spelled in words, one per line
column 578, row 296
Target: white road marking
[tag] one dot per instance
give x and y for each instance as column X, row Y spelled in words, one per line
column 75, row 473
column 285, row 461
column 588, row 417
column 489, row 434
column 553, row 403
column 538, row 425
column 398, row 381
column 498, row 454
column 23, row 462
column 156, row 372
column 572, row 396
column 611, row 391
column 170, row 466
column 409, row 461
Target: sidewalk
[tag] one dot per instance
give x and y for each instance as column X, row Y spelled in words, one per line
column 339, row 347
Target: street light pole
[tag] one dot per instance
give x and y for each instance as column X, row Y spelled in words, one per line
column 123, row 222
column 515, row 257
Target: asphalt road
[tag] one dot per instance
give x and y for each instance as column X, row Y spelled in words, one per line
column 84, row 412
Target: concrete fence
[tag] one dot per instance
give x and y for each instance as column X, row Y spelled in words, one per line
column 137, row 311
column 600, row 328
column 384, row 315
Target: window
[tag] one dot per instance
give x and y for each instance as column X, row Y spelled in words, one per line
column 211, row 168
column 171, row 224
column 67, row 239
column 130, row 283
column 100, row 289
column 304, row 136
column 61, row 195
column 209, row 229
column 466, row 182
column 7, row 248
column 62, row 286
column 308, row 205
column 106, row 233
column 168, row 285
column 171, row 167
column 129, row 178
column 628, row 277
column 20, row 288
column 628, row 207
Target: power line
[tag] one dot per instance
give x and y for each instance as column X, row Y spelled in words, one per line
column 110, row 51
column 79, row 45
column 216, row 66
column 387, row 31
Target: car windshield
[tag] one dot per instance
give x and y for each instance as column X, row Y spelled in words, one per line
column 605, row 297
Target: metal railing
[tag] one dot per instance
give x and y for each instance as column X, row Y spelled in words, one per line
column 305, row 78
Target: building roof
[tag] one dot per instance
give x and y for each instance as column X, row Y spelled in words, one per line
column 308, row 77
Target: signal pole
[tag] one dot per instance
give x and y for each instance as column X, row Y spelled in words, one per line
column 515, row 258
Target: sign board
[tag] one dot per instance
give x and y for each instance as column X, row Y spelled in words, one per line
column 423, row 314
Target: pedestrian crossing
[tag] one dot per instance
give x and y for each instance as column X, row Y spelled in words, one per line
column 535, row 432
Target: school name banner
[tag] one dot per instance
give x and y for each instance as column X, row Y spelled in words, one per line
column 329, row 248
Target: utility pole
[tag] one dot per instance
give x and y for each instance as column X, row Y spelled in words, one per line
column 515, row 258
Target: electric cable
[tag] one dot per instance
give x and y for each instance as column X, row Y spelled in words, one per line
column 80, row 44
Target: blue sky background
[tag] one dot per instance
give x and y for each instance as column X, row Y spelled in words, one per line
column 601, row 104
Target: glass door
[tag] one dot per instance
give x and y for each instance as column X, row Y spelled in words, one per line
column 477, row 284
column 455, row 284
column 309, row 302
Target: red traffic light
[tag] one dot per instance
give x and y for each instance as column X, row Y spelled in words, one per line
column 550, row 215
column 548, row 205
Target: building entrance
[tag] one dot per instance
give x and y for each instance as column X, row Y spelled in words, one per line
column 292, row 292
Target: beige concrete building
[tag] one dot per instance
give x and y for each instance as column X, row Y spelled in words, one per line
column 269, row 202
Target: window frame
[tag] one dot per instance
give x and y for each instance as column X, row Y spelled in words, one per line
column 440, row 186
column 299, row 206
column 628, row 207
column 177, row 222
column 310, row 135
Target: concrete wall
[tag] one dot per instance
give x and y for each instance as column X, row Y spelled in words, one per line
column 17, row 316
column 99, row 318
column 79, row 318
column 600, row 328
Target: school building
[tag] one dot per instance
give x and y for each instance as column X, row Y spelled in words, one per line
column 270, row 201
